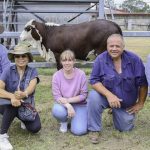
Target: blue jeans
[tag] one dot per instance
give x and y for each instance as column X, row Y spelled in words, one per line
column 78, row 122
column 123, row 121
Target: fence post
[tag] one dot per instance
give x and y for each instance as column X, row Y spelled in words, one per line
column 130, row 24
column 101, row 9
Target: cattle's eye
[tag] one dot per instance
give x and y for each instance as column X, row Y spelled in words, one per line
column 28, row 28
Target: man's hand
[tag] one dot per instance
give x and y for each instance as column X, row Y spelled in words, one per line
column 135, row 109
column 114, row 101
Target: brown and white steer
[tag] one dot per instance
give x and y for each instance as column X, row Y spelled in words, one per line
column 51, row 39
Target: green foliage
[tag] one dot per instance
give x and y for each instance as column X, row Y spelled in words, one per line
column 110, row 3
column 135, row 6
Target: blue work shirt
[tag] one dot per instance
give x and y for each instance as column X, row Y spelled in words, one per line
column 11, row 79
column 125, row 85
column 4, row 61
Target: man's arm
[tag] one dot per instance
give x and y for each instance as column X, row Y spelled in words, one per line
column 141, row 100
column 113, row 100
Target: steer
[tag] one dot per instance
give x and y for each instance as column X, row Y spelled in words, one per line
column 52, row 39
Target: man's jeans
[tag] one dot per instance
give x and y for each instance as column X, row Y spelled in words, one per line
column 123, row 121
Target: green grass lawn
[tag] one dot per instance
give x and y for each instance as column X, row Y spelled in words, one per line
column 49, row 137
column 140, row 46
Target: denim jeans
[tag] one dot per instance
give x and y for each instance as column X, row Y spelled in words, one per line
column 122, row 120
column 78, row 122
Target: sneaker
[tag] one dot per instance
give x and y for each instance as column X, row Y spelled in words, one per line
column 4, row 142
column 94, row 137
column 23, row 126
column 63, row 127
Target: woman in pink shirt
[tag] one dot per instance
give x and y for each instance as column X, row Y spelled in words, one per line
column 69, row 89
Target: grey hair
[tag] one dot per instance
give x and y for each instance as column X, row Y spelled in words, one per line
column 116, row 36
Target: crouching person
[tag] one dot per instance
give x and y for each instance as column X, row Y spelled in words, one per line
column 69, row 88
column 119, row 82
column 16, row 85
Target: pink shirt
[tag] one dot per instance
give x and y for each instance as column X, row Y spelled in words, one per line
column 67, row 88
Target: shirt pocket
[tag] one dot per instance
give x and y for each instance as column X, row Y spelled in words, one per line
column 12, row 85
column 129, row 84
column 108, row 82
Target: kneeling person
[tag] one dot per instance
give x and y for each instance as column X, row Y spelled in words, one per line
column 119, row 82
column 69, row 88
column 13, row 88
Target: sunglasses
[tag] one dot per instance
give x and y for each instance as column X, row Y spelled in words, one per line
column 22, row 56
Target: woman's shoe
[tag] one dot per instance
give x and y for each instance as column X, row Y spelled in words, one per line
column 4, row 142
column 23, row 126
column 63, row 127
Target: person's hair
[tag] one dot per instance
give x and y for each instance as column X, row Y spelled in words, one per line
column 116, row 36
column 67, row 55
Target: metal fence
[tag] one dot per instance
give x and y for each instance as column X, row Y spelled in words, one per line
column 84, row 64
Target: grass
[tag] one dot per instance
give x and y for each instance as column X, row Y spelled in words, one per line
column 49, row 137
column 138, row 45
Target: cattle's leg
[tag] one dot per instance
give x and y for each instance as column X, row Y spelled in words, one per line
column 58, row 64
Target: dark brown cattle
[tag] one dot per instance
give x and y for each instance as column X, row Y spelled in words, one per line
column 80, row 38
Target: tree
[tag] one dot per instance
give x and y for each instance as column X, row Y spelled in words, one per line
column 111, row 3
column 135, row 6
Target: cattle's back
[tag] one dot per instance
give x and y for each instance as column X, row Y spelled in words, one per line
column 81, row 38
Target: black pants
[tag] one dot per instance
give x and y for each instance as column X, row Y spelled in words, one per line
column 9, row 113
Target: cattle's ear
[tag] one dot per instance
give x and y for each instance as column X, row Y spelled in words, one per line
column 34, row 23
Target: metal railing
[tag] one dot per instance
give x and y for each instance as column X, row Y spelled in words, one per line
column 125, row 34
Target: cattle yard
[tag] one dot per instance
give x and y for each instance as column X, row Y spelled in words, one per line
column 49, row 136
column 16, row 13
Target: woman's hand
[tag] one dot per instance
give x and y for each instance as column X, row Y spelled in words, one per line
column 63, row 100
column 15, row 102
column 70, row 109
column 19, row 94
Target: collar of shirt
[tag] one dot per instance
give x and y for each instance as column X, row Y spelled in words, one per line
column 124, row 57
column 14, row 69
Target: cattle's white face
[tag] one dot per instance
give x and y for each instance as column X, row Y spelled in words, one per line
column 26, row 34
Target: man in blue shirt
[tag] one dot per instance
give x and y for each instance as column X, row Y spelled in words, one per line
column 4, row 61
column 119, row 82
